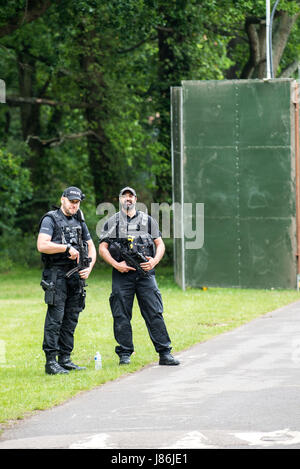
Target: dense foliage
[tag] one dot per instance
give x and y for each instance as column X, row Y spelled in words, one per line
column 88, row 90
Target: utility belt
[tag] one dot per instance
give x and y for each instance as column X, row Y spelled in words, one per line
column 64, row 266
column 57, row 260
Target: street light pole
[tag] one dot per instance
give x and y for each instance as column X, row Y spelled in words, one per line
column 268, row 39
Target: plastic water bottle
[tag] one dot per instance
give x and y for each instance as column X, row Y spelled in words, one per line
column 98, row 361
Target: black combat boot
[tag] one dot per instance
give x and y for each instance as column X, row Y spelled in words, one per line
column 124, row 360
column 53, row 368
column 167, row 359
column 67, row 364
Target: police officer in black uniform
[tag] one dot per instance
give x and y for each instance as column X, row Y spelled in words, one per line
column 58, row 241
column 127, row 281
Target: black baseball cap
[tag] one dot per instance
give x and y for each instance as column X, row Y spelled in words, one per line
column 73, row 193
column 129, row 189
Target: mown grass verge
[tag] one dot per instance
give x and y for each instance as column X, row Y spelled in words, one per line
column 191, row 316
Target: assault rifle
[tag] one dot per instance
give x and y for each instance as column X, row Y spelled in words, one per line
column 131, row 255
column 84, row 260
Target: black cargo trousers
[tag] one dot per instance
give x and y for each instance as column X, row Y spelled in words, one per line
column 65, row 301
column 124, row 287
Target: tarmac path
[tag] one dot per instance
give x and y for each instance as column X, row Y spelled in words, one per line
column 239, row 390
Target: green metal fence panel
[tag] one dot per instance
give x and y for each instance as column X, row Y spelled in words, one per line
column 236, row 156
column 176, row 138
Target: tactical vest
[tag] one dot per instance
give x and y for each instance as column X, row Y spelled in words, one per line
column 64, row 232
column 119, row 228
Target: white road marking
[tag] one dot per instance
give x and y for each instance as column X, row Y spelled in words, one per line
column 192, row 440
column 278, row 437
column 97, row 441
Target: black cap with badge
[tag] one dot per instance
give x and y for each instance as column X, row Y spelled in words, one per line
column 129, row 189
column 73, row 193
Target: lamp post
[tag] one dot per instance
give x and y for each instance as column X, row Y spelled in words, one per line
column 268, row 55
column 269, row 26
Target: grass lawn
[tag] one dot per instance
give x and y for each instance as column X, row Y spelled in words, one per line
column 191, row 316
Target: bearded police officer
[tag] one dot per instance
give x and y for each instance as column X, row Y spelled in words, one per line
column 142, row 233
column 61, row 234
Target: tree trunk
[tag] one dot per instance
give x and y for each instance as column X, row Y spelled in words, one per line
column 172, row 68
column 30, row 124
column 256, row 32
column 29, row 113
column 281, row 36
column 94, row 90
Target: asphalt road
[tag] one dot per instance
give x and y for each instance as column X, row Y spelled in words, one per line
column 240, row 390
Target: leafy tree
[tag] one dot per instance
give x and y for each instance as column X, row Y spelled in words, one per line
column 88, row 85
column 247, row 47
column 15, row 188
